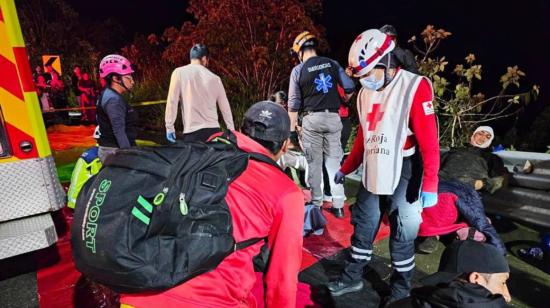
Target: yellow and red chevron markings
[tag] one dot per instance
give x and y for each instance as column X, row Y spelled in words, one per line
column 18, row 100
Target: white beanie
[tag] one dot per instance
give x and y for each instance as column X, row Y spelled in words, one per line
column 487, row 143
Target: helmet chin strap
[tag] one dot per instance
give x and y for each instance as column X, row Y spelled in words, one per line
column 122, row 84
column 387, row 76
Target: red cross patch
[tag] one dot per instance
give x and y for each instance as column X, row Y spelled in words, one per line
column 428, row 108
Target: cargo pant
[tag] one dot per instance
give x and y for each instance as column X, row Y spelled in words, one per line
column 321, row 138
column 404, row 217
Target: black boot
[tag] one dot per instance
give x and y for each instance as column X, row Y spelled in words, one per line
column 428, row 245
column 339, row 287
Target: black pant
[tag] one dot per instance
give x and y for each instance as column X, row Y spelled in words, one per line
column 346, row 132
column 404, row 217
column 200, row 135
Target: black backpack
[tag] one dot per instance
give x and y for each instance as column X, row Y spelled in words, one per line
column 153, row 218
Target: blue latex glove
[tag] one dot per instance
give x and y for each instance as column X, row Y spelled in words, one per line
column 339, row 177
column 428, row 199
column 171, row 137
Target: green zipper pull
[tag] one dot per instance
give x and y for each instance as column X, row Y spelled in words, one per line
column 183, row 205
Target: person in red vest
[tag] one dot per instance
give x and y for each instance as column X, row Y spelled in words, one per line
column 396, row 118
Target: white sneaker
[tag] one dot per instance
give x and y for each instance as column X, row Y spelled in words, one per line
column 327, row 198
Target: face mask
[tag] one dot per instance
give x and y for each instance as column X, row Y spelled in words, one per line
column 371, row 83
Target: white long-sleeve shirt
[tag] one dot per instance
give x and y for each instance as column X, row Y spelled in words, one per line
column 200, row 91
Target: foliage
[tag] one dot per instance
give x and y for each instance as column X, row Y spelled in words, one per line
column 248, row 41
column 152, row 70
column 54, row 27
column 460, row 111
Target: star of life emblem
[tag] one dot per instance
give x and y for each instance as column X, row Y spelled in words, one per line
column 323, row 83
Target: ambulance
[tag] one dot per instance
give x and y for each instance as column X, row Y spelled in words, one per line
column 29, row 186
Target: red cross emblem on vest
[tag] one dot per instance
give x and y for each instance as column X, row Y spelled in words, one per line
column 374, row 117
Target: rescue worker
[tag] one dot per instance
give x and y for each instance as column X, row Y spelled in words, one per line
column 199, row 90
column 117, row 121
column 396, row 118
column 313, row 90
column 264, row 203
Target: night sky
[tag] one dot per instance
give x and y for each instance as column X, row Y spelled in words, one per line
column 499, row 33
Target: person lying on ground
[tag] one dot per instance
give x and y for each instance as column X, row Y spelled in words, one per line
column 471, row 274
column 475, row 165
column 459, row 211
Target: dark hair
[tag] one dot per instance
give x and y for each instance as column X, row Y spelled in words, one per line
column 279, row 96
column 109, row 78
column 309, row 45
column 198, row 51
column 389, row 30
column 271, row 146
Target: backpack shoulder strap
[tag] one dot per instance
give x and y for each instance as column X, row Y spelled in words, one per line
column 264, row 159
column 247, row 243
column 229, row 138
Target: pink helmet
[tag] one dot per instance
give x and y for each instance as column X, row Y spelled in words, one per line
column 114, row 64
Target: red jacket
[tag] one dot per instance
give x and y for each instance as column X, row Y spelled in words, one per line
column 263, row 202
column 424, row 128
column 443, row 218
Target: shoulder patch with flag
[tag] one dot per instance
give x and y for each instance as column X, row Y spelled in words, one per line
column 428, row 108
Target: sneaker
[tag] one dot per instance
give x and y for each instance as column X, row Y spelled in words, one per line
column 327, row 198
column 339, row 287
column 319, row 231
column 429, row 245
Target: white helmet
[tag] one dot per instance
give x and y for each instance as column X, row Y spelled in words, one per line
column 367, row 50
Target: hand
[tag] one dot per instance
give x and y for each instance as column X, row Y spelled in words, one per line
column 339, row 177
column 428, row 199
column 171, row 137
column 478, row 184
column 349, row 72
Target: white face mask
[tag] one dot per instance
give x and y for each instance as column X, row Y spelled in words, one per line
column 371, row 83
